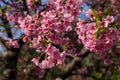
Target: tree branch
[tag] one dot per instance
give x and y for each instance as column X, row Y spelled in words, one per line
column 6, row 23
column 10, row 69
column 67, row 71
column 11, row 59
column 3, row 43
column 25, row 6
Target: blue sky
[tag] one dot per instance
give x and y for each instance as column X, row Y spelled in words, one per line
column 44, row 1
column 82, row 14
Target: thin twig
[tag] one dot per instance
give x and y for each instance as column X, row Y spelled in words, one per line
column 67, row 71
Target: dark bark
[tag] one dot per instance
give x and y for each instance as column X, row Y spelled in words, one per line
column 7, row 26
column 10, row 66
column 11, row 59
column 25, row 6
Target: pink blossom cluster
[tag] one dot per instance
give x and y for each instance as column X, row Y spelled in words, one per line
column 60, row 15
column 13, row 17
column 54, row 57
column 105, row 40
column 45, row 32
column 12, row 43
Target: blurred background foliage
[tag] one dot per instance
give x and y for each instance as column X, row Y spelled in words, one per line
column 88, row 69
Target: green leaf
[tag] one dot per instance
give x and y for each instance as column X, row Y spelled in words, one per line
column 55, row 71
column 118, row 43
column 97, row 18
column 2, row 25
column 96, row 35
column 48, row 75
column 98, row 75
column 0, row 9
column 100, row 29
column 115, row 77
column 43, row 56
column 95, row 14
column 117, row 25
